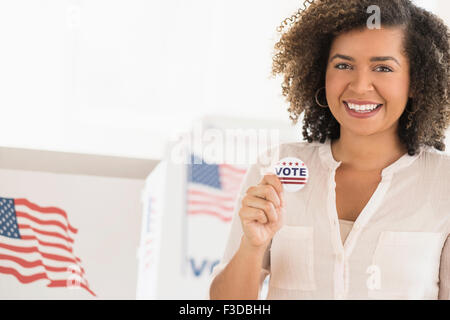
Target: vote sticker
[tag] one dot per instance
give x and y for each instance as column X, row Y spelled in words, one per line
column 292, row 173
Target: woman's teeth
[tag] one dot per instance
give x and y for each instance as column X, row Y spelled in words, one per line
column 362, row 108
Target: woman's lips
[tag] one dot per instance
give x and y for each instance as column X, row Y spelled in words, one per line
column 361, row 115
column 360, row 102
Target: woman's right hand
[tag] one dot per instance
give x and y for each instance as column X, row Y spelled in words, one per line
column 261, row 211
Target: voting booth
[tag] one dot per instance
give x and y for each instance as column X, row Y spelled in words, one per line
column 189, row 201
column 71, row 225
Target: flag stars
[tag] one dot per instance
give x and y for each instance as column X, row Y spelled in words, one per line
column 8, row 221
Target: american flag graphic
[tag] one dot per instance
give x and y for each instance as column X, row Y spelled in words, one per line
column 36, row 243
column 212, row 188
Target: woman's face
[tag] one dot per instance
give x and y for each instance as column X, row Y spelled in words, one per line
column 367, row 67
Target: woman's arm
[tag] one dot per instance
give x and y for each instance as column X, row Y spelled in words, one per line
column 241, row 278
column 246, row 262
column 444, row 272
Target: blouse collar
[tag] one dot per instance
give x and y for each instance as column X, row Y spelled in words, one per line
column 328, row 160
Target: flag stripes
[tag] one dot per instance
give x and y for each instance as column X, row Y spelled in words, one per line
column 36, row 243
column 212, row 188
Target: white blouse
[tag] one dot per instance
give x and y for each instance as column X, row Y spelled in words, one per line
column 394, row 249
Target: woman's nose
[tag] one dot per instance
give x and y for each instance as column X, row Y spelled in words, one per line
column 361, row 82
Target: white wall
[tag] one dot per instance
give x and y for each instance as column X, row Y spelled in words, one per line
column 121, row 78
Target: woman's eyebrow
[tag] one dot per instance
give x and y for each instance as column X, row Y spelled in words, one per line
column 384, row 58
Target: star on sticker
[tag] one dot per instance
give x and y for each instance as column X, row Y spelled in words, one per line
column 296, row 163
column 290, row 163
column 284, row 163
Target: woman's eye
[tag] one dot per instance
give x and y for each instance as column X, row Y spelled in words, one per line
column 343, row 66
column 385, row 68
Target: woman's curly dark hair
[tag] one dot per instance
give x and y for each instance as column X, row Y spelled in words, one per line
column 302, row 53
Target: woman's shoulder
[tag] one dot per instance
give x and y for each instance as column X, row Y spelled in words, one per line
column 299, row 146
column 302, row 149
column 435, row 157
column 435, row 165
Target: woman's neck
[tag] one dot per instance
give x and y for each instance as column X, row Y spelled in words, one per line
column 367, row 153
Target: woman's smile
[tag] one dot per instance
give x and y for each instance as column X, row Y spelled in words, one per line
column 362, row 111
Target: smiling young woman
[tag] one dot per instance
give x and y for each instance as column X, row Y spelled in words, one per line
column 367, row 89
column 374, row 219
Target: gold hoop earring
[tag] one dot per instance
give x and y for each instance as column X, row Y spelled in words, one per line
column 317, row 100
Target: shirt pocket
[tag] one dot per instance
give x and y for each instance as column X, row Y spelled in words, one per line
column 292, row 259
column 408, row 265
